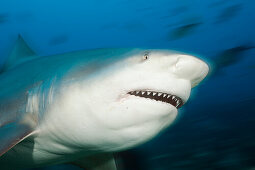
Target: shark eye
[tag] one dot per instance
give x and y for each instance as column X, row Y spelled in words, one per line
column 146, row 56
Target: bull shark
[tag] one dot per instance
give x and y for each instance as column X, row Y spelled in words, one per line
column 80, row 107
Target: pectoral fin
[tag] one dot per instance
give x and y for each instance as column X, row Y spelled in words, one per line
column 14, row 132
column 97, row 162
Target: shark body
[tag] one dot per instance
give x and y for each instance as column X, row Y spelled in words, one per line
column 82, row 106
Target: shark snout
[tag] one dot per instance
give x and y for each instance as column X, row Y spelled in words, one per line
column 191, row 68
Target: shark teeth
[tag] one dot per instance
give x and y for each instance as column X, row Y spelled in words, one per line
column 159, row 96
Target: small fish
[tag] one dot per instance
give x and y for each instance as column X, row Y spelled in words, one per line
column 229, row 57
column 183, row 31
column 218, row 3
column 229, row 13
column 61, row 39
column 3, row 18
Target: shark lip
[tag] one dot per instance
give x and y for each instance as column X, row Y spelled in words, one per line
column 159, row 96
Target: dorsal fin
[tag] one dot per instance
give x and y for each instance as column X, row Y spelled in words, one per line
column 20, row 53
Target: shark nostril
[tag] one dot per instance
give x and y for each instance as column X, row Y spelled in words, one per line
column 177, row 64
column 190, row 68
column 177, row 61
column 185, row 67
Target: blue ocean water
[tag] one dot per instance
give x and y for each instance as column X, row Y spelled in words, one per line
column 215, row 129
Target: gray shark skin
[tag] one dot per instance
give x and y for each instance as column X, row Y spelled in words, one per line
column 82, row 106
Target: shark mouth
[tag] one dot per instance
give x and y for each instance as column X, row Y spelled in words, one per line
column 158, row 96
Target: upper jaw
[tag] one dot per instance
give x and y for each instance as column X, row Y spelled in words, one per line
column 167, row 97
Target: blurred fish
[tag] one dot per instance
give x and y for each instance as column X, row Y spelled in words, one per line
column 3, row 18
column 179, row 10
column 175, row 12
column 218, row 3
column 80, row 107
column 183, row 31
column 229, row 13
column 61, row 39
column 229, row 57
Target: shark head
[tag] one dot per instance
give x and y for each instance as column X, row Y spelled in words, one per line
column 127, row 101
